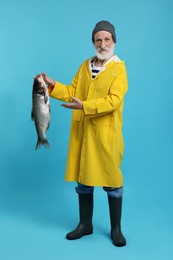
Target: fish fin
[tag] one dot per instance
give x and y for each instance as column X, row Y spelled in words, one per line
column 42, row 142
column 32, row 115
column 45, row 99
column 48, row 126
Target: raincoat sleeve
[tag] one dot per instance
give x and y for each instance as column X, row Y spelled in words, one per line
column 112, row 101
column 62, row 91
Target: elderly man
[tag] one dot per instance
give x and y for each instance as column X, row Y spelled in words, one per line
column 96, row 146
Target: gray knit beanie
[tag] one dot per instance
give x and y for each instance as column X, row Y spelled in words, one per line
column 104, row 26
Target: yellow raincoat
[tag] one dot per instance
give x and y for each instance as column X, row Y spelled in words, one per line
column 96, row 143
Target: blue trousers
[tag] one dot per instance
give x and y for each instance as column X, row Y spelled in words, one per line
column 112, row 192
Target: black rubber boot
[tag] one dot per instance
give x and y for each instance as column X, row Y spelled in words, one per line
column 115, row 209
column 85, row 226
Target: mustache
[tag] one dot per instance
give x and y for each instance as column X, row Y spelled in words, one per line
column 103, row 49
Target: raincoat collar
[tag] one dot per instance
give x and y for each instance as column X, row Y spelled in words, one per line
column 109, row 63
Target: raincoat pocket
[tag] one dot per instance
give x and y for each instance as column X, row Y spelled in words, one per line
column 77, row 114
column 99, row 121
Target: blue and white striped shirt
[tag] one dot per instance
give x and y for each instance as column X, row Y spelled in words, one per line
column 94, row 69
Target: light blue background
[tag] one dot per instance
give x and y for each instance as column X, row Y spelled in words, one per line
column 37, row 207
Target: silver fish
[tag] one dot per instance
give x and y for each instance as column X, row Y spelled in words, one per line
column 40, row 110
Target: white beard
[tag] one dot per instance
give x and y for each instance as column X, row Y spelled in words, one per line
column 105, row 56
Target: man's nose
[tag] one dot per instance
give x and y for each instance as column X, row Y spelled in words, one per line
column 103, row 44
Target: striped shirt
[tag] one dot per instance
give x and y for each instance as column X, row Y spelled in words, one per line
column 94, row 69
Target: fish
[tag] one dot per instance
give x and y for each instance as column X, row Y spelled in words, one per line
column 40, row 113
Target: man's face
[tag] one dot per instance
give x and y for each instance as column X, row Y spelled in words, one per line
column 104, row 45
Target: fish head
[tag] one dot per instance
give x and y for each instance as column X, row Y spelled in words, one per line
column 39, row 85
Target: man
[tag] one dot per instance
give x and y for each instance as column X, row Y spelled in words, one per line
column 96, row 146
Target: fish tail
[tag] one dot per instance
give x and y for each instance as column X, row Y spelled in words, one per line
column 42, row 142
